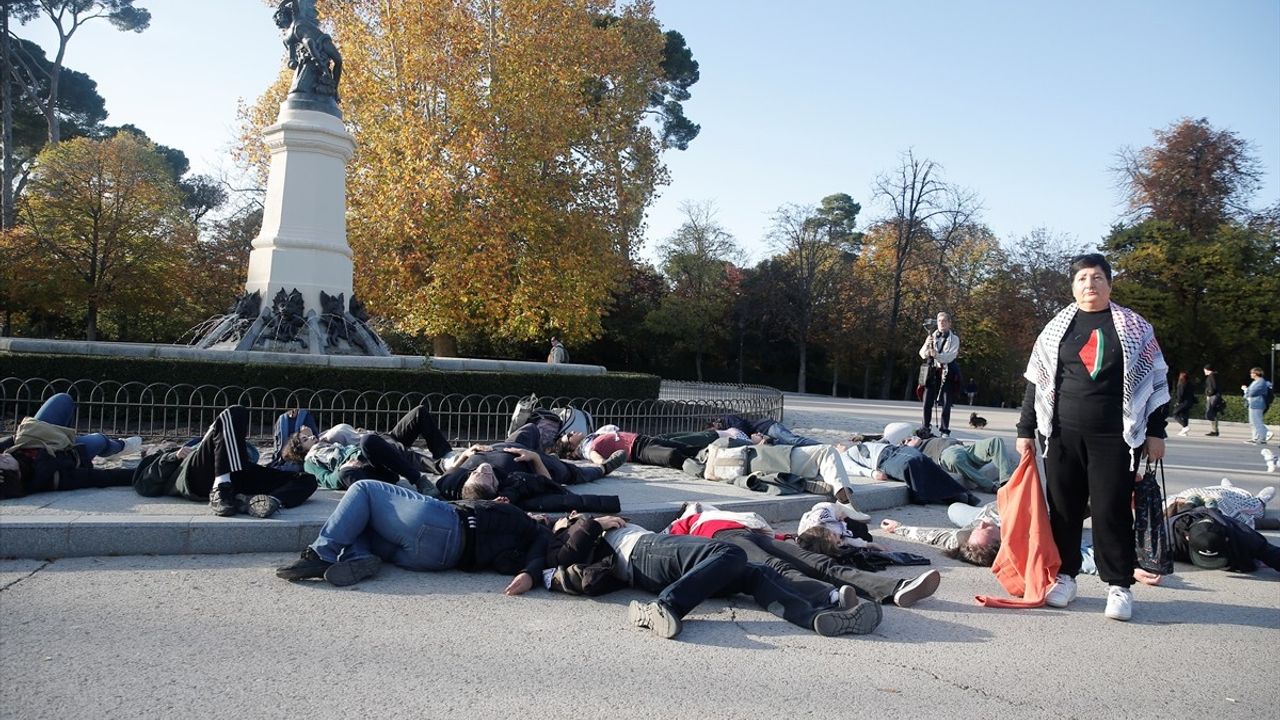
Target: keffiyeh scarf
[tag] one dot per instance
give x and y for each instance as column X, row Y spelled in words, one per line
column 1146, row 384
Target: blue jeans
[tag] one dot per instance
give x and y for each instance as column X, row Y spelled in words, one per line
column 394, row 523
column 782, row 435
column 60, row 410
column 1259, row 427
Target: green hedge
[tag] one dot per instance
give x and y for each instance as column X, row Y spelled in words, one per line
column 1237, row 411
column 76, row 367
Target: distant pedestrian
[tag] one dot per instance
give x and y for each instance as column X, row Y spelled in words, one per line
column 971, row 389
column 558, row 355
column 942, row 376
column 1183, row 399
column 1256, row 394
column 1213, row 402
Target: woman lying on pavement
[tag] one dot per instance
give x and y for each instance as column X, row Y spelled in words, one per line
column 46, row 454
column 642, row 449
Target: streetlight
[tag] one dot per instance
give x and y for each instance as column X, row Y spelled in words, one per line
column 1274, row 348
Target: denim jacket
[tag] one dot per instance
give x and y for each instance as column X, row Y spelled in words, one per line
column 1256, row 394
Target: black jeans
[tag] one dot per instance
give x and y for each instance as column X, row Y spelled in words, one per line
column 684, row 570
column 1095, row 473
column 222, row 451
column 810, row 574
column 662, row 452
column 935, row 390
column 63, row 471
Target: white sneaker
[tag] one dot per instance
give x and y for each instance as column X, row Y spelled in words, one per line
column 1183, row 432
column 131, row 445
column 1061, row 593
column 1119, row 603
column 1267, row 493
column 1226, row 483
column 1270, row 435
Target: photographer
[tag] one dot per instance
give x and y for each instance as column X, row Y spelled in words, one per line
column 939, row 352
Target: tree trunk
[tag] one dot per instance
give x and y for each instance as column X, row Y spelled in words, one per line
column 91, row 322
column 804, row 359
column 444, row 346
column 891, row 339
column 6, row 131
column 835, row 376
column 697, row 364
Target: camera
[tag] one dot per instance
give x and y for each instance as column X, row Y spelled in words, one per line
column 930, row 323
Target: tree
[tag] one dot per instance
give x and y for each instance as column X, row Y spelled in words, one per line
column 80, row 110
column 695, row 259
column 503, row 162
column 809, row 243
column 1194, row 177
column 924, row 213
column 41, row 83
column 107, row 221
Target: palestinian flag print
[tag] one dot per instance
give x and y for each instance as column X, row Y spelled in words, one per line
column 1092, row 353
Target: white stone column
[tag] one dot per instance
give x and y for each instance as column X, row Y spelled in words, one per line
column 303, row 242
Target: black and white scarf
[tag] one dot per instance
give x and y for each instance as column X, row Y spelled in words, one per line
column 1146, row 384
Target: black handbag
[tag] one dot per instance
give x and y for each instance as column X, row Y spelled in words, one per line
column 1150, row 527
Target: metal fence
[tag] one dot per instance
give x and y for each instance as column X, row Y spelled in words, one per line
column 178, row 411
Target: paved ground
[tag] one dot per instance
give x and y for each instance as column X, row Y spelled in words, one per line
column 220, row 636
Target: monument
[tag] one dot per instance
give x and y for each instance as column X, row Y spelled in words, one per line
column 299, row 296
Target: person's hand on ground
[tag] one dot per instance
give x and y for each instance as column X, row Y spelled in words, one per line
column 879, row 475
column 520, row 585
column 888, row 525
column 1147, row 578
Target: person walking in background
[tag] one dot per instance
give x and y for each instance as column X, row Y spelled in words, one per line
column 971, row 389
column 1213, row 402
column 558, row 355
column 1183, row 398
column 1255, row 395
column 1097, row 392
column 939, row 351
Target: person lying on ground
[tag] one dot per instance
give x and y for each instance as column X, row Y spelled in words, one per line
column 220, row 470
column 520, row 452
column 377, row 522
column 809, row 462
column 927, row 481
column 768, row 431
column 977, row 539
column 529, row 491
column 342, row 454
column 965, row 461
column 683, row 571
column 642, row 449
column 763, row 546
column 1209, row 539
column 1226, row 498
column 47, row 455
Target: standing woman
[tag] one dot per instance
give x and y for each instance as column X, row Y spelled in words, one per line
column 1097, row 394
column 1183, row 398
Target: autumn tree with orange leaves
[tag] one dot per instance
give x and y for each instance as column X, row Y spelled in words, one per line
column 506, row 150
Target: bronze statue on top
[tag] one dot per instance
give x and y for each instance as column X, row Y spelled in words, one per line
column 314, row 59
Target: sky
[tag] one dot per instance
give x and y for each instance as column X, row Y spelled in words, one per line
column 1024, row 103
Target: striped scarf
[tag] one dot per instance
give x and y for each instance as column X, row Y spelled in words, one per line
column 1146, row 385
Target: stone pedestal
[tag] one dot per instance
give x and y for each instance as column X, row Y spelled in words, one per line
column 303, row 242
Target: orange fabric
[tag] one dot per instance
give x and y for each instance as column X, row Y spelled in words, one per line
column 1028, row 561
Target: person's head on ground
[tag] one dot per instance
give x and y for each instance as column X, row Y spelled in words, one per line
column 818, row 539
column 481, row 484
column 1091, row 282
column 981, row 546
column 1207, row 543
column 567, row 445
column 296, row 447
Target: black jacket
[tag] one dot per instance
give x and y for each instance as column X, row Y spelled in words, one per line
column 1246, row 546
column 504, row 539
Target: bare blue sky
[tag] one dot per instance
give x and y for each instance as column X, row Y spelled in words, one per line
column 1025, row 103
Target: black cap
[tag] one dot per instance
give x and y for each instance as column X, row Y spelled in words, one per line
column 1208, row 544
